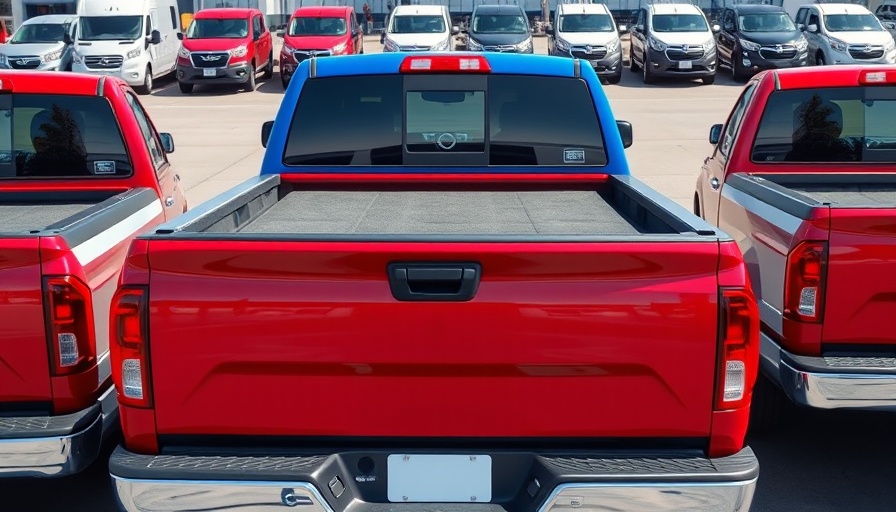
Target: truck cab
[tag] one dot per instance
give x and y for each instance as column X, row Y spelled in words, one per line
column 588, row 32
column 133, row 40
column 225, row 46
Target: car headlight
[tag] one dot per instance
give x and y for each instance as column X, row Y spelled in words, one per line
column 390, row 46
column 50, row 57
column 890, row 45
column 801, row 44
column 442, row 46
column 289, row 50
column 3, row 60
column 750, row 46
column 525, row 46
column 183, row 52
column 339, row 48
column 612, row 46
column 133, row 54
column 473, row 45
column 561, row 45
column 839, row 45
column 76, row 57
column 239, row 51
column 656, row 44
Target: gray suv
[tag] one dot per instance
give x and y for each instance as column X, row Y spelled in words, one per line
column 674, row 40
column 40, row 44
column 499, row 28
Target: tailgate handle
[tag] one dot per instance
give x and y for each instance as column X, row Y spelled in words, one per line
column 434, row 281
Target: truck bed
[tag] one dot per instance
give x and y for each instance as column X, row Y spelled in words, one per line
column 267, row 206
column 17, row 218
column 443, row 213
column 850, row 195
column 838, row 190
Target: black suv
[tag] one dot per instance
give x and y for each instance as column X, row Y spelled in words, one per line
column 757, row 37
column 499, row 28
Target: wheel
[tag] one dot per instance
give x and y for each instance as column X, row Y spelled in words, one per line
column 269, row 69
column 631, row 59
column 647, row 75
column 709, row 80
column 614, row 79
column 284, row 81
column 146, row 88
column 185, row 88
column 737, row 74
column 250, row 84
column 819, row 59
column 768, row 405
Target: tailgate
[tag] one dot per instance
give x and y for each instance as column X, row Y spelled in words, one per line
column 306, row 339
column 24, row 364
column 860, row 301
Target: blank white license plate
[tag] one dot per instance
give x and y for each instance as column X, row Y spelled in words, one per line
column 209, row 72
column 439, row 478
column 685, row 64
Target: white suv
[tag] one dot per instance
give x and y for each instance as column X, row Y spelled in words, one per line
column 588, row 32
column 845, row 34
column 415, row 28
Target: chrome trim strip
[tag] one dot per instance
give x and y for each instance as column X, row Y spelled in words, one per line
column 644, row 497
column 261, row 496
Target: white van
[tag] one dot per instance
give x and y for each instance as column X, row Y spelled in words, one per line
column 132, row 39
column 418, row 28
column 588, row 32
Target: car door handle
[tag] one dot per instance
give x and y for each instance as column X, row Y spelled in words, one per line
column 715, row 183
column 169, row 202
column 434, row 281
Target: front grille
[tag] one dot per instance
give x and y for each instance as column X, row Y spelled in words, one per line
column 589, row 52
column 413, row 48
column 24, row 62
column 505, row 48
column 866, row 52
column 778, row 52
column 684, row 52
column 210, row 59
column 103, row 61
column 301, row 55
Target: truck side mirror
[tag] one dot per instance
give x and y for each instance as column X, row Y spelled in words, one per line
column 716, row 29
column 812, row 28
column 625, row 131
column 167, row 142
column 266, row 129
column 180, row 35
column 155, row 37
column 623, row 29
column 549, row 31
column 281, row 33
column 715, row 134
column 67, row 38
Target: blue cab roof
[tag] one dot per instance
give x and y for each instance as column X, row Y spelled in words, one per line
column 389, row 63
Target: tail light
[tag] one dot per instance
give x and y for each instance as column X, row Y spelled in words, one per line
column 129, row 348
column 804, row 282
column 68, row 310
column 738, row 350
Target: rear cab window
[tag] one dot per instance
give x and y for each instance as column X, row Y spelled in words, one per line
column 445, row 120
column 842, row 124
column 60, row 136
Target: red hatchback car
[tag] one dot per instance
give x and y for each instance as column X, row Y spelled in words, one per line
column 318, row 32
column 229, row 45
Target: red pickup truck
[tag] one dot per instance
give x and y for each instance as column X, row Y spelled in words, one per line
column 452, row 301
column 802, row 176
column 81, row 173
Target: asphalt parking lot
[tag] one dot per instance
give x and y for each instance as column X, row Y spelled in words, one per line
column 819, row 461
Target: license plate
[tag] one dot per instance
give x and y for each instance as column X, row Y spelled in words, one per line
column 209, row 72
column 685, row 64
column 439, row 478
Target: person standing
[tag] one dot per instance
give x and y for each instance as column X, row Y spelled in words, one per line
column 386, row 24
column 368, row 19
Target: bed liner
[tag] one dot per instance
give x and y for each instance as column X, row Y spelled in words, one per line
column 22, row 218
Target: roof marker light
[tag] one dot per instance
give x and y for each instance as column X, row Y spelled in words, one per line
column 876, row 77
column 445, row 64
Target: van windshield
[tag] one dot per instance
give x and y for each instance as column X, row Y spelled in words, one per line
column 679, row 23
column 110, row 28
column 308, row 26
column 586, row 23
column 500, row 24
column 228, row 28
column 767, row 22
column 417, row 24
column 39, row 33
column 851, row 22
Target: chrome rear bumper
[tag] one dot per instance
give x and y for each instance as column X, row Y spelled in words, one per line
column 867, row 383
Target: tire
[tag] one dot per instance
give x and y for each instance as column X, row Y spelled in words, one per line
column 250, row 84
column 146, row 88
column 709, row 80
column 284, row 82
column 646, row 74
column 614, row 79
column 737, row 74
column 768, row 406
column 269, row 69
column 185, row 88
column 631, row 59
column 819, row 59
